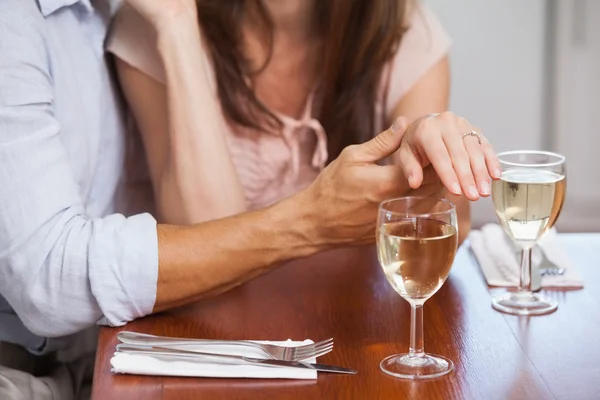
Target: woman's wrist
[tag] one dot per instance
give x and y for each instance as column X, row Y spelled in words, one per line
column 176, row 29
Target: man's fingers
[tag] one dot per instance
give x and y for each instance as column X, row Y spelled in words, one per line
column 382, row 145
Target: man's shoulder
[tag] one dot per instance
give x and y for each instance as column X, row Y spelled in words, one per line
column 22, row 22
column 14, row 12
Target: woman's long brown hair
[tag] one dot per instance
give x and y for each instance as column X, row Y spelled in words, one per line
column 358, row 36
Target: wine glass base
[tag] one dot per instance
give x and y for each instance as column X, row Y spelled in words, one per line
column 408, row 366
column 523, row 303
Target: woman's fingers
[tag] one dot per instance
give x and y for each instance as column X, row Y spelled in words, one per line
column 491, row 160
column 429, row 138
column 461, row 162
column 411, row 167
column 462, row 158
column 478, row 164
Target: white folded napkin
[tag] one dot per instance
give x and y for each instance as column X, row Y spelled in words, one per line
column 123, row 363
column 499, row 258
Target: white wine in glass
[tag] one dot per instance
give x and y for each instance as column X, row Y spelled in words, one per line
column 528, row 199
column 416, row 241
column 416, row 255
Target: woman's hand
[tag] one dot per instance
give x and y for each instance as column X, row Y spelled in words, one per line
column 462, row 157
column 159, row 11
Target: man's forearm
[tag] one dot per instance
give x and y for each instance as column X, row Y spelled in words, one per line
column 210, row 258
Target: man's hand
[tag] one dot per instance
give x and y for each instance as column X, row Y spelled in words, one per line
column 338, row 208
column 342, row 202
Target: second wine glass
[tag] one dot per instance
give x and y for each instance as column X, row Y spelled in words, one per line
column 528, row 199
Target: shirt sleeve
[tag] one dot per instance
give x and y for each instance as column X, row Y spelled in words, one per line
column 423, row 45
column 133, row 40
column 60, row 270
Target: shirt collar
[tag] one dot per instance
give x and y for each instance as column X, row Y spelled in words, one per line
column 50, row 6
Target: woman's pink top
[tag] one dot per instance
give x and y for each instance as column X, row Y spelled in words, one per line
column 274, row 166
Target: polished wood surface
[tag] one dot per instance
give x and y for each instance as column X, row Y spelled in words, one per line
column 344, row 295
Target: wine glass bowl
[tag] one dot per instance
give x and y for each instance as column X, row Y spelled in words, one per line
column 528, row 199
column 417, row 239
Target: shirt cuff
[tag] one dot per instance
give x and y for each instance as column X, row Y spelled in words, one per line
column 124, row 284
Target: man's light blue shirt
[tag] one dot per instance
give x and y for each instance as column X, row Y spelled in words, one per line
column 67, row 259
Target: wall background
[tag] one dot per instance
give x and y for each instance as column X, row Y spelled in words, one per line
column 528, row 74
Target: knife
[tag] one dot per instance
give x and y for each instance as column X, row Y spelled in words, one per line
column 164, row 352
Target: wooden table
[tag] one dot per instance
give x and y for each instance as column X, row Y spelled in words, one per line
column 344, row 295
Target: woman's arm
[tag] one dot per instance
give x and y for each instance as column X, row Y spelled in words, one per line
column 182, row 128
column 430, row 95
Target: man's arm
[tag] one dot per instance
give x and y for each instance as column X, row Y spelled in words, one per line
column 62, row 271
column 212, row 257
column 59, row 269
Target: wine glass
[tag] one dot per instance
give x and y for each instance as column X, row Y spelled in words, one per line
column 528, row 199
column 417, row 239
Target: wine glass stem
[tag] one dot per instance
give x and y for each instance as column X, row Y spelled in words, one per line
column 525, row 277
column 416, row 330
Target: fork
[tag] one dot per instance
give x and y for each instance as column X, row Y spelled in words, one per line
column 277, row 352
column 553, row 272
column 549, row 268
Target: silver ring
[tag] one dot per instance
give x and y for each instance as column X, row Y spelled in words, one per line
column 472, row 133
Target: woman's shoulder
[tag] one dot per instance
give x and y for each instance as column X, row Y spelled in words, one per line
column 132, row 39
column 422, row 46
column 424, row 31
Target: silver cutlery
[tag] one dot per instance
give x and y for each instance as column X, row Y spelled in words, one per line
column 213, row 350
column 544, row 266
column 299, row 353
column 183, row 355
column 547, row 267
column 552, row 271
